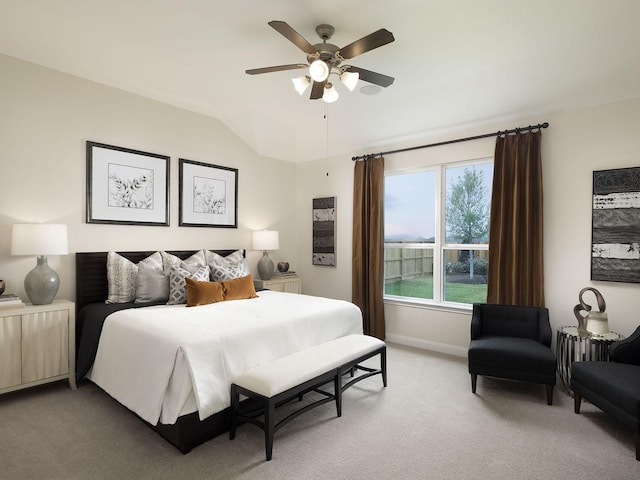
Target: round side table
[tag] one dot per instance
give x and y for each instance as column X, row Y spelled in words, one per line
column 571, row 347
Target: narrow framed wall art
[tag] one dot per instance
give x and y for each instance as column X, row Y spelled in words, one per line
column 615, row 245
column 324, row 231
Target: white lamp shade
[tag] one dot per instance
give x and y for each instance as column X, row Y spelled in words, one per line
column 39, row 239
column 265, row 240
column 300, row 84
column 319, row 70
column 350, row 79
column 330, row 94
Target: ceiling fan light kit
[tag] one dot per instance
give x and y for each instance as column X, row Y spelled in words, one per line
column 319, row 70
column 301, row 84
column 330, row 94
column 324, row 59
column 350, row 79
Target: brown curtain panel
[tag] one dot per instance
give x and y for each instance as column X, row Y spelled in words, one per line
column 516, row 275
column 368, row 244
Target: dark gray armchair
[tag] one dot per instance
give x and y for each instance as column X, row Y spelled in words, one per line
column 613, row 387
column 512, row 342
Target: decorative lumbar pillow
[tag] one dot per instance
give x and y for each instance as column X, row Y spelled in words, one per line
column 239, row 288
column 151, row 285
column 177, row 284
column 203, row 293
column 222, row 268
column 122, row 273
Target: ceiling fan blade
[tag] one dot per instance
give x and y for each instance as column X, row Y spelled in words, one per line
column 317, row 90
column 277, row 68
column 371, row 41
column 294, row 37
column 372, row 77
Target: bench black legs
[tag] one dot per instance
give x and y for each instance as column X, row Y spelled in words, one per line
column 267, row 405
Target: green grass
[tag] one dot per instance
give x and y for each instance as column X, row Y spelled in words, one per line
column 422, row 287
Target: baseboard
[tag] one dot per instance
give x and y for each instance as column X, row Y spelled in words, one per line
column 427, row 345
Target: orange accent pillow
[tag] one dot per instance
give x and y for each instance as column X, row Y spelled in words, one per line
column 203, row 293
column 239, row 288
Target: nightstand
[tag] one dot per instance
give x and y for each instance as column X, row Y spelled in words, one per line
column 37, row 345
column 280, row 283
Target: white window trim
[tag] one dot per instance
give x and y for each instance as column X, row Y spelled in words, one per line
column 439, row 245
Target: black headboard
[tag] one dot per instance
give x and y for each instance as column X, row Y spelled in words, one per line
column 91, row 272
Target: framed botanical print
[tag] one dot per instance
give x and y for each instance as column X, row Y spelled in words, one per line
column 127, row 187
column 208, row 195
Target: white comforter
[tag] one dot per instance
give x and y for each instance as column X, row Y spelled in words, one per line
column 157, row 360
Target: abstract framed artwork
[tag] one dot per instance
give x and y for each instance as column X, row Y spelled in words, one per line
column 126, row 187
column 324, row 231
column 208, row 195
column 615, row 249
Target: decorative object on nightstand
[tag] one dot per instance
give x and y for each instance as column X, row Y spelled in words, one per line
column 10, row 300
column 2, row 287
column 265, row 240
column 593, row 322
column 283, row 267
column 40, row 239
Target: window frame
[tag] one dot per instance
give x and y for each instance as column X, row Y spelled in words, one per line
column 439, row 246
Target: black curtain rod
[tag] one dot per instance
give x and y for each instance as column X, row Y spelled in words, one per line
column 458, row 140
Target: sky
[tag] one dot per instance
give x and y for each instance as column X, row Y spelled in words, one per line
column 410, row 200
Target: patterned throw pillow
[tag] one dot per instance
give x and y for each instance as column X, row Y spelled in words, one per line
column 122, row 273
column 222, row 268
column 193, row 263
column 177, row 284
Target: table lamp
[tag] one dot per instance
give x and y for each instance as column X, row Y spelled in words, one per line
column 265, row 240
column 40, row 239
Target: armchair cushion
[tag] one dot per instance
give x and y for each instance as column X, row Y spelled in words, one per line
column 514, row 358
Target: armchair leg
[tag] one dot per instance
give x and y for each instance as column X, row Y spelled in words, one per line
column 549, row 394
column 577, row 400
column 474, row 381
column 638, row 446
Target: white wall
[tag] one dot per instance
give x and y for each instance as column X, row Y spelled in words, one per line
column 575, row 144
column 45, row 119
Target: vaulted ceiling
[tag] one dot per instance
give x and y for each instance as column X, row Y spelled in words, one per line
column 457, row 64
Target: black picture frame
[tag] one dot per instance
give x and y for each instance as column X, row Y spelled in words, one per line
column 324, row 231
column 126, row 186
column 208, row 195
column 615, row 246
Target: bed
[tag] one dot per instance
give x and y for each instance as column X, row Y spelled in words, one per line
column 190, row 353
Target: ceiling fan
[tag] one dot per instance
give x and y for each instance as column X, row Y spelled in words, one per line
column 325, row 58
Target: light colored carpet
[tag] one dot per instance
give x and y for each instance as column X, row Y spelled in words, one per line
column 425, row 425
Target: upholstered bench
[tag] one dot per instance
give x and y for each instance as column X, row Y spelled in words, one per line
column 279, row 381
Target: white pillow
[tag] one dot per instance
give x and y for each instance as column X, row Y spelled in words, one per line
column 122, row 274
column 178, row 286
column 222, row 268
column 193, row 263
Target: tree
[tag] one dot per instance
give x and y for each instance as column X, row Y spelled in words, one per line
column 467, row 210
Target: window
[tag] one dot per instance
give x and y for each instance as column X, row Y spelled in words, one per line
column 436, row 233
